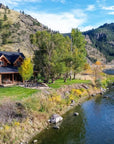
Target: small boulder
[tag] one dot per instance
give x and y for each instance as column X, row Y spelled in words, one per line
column 76, row 114
column 105, row 97
column 55, row 118
column 101, row 93
column 93, row 95
column 56, row 127
column 35, row 141
column 72, row 103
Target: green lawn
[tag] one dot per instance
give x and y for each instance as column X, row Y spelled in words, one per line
column 19, row 93
column 16, row 92
column 60, row 82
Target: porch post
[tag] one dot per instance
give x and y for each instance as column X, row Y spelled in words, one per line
column 0, row 79
column 12, row 78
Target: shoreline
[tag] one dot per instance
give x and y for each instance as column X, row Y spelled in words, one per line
column 81, row 100
column 38, row 121
column 68, row 108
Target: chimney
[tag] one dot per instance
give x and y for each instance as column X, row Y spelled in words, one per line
column 18, row 50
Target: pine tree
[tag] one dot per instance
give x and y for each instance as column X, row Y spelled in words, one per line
column 5, row 17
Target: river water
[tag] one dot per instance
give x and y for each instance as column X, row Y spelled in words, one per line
column 94, row 125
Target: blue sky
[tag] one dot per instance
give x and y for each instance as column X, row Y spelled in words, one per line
column 63, row 15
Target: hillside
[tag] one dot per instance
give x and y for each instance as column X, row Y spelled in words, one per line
column 93, row 54
column 102, row 39
column 15, row 30
column 100, row 43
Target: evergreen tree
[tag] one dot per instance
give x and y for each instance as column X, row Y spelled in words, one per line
column 5, row 17
column 1, row 24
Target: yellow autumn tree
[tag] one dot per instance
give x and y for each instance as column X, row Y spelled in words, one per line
column 26, row 69
column 98, row 63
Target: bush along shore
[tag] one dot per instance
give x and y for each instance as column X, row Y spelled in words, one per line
column 20, row 120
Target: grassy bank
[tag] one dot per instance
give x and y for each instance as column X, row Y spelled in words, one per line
column 26, row 111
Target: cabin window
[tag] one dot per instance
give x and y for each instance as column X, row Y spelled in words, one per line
column 1, row 63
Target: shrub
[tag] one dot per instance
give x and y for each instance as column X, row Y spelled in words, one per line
column 98, row 82
column 76, row 92
column 82, row 89
column 55, row 98
column 10, row 111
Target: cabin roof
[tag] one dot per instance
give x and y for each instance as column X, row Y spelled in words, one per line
column 11, row 56
column 8, row 69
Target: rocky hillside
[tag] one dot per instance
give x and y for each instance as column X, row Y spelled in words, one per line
column 93, row 54
column 100, row 43
column 102, row 39
column 15, row 30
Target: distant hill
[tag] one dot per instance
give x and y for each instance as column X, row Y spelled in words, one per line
column 102, row 39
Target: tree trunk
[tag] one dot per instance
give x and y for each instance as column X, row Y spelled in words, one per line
column 65, row 77
column 70, row 77
column 74, row 75
column 52, row 80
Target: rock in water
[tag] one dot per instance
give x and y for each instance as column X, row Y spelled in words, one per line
column 56, row 127
column 105, row 97
column 55, row 118
column 76, row 114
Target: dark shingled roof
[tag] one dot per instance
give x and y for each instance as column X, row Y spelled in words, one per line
column 9, row 69
column 11, row 56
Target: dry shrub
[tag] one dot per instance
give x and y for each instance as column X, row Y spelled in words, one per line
column 10, row 111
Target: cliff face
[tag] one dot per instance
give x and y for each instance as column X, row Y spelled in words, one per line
column 92, row 53
column 102, row 39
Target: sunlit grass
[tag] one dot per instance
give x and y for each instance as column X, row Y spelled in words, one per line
column 60, row 82
column 16, row 92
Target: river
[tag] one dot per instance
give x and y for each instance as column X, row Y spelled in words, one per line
column 94, row 125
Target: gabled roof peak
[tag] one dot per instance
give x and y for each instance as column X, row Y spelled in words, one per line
column 11, row 56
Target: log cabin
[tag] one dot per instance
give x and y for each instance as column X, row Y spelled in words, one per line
column 9, row 63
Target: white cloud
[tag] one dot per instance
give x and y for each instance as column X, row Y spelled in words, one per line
column 79, row 13
column 90, row 8
column 16, row 2
column 86, row 28
column 63, row 22
column 108, row 8
column 61, row 1
column 111, row 13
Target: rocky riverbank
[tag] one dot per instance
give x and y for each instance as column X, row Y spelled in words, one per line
column 40, row 107
column 88, row 91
